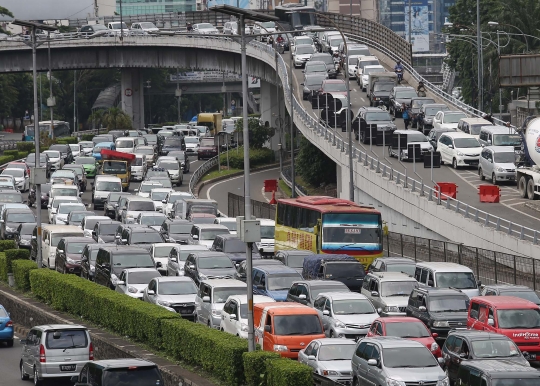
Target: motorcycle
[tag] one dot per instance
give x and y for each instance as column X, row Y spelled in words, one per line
column 281, row 47
column 399, row 73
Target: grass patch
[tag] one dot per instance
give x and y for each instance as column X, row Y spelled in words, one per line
column 284, row 188
column 216, row 173
column 311, row 190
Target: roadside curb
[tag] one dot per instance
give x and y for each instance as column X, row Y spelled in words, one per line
column 21, row 331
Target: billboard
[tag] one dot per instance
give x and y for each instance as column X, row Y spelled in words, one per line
column 519, row 70
column 419, row 15
column 38, row 10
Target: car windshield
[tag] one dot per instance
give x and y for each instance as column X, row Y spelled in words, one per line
column 405, row 94
column 76, row 217
column 151, row 138
column 353, row 60
column 203, row 209
column 527, row 295
column 432, row 111
column 97, row 149
column 453, row 118
column 231, row 225
column 56, row 237
column 210, row 234
column 465, row 143
column 67, row 339
column 21, row 217
column 352, row 307
column 494, row 348
column 378, row 116
column 205, row 26
column 315, row 67
column 145, row 151
column 76, row 248
column 157, row 219
column 168, row 165
column 459, row 280
column 334, row 86
column 55, row 203
column 385, row 87
column 182, row 229
column 336, row 352
column 172, row 142
column 345, row 270
column 314, row 81
column 133, row 260
column 114, row 167
column 109, row 186
column 407, row 330
column 26, row 229
column 267, row 231
column 66, row 208
column 147, row 25
column 146, row 238
column 295, row 261
column 397, row 288
column 108, row 229
column 268, row 24
column 506, row 140
column 419, row 102
column 85, row 161
column 297, row 325
column 303, row 40
column 504, row 157
column 326, row 59
column 119, row 25
column 214, row 262
column 142, row 277
column 13, row 172
column 138, row 162
column 303, row 50
column 133, row 376
column 475, row 129
column 515, row 381
column 448, row 304
column 164, row 181
column 409, row 269
column 158, row 196
column 222, row 294
column 281, row 282
column 416, row 357
column 163, row 251
column 177, row 288
column 175, row 197
column 518, row 319
column 11, row 197
column 146, row 188
column 335, row 41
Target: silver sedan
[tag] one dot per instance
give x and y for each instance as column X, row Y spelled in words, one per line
column 175, row 293
column 330, row 358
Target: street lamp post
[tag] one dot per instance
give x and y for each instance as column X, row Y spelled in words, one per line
column 494, row 23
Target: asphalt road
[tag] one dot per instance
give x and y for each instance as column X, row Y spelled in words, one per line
column 9, row 365
column 511, row 206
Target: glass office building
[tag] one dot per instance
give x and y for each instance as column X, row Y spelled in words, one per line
column 144, row 7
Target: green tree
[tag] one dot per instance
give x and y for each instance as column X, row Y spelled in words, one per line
column 116, row 119
column 313, row 165
column 259, row 134
column 5, row 12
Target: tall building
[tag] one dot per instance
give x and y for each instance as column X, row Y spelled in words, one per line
column 143, row 7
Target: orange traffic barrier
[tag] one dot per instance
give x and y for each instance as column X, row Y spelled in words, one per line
column 448, row 189
column 489, row 193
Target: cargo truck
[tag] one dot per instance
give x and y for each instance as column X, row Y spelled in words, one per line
column 116, row 163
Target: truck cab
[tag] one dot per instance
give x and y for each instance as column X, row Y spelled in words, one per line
column 117, row 164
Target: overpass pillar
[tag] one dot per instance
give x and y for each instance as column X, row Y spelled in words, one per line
column 271, row 107
column 133, row 96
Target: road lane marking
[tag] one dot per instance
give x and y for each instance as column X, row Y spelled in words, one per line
column 363, row 100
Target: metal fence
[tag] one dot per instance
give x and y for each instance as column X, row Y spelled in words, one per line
column 235, row 207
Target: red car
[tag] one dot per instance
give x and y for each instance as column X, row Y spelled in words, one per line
column 408, row 328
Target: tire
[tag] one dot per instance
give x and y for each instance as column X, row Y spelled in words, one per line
column 522, row 187
column 10, row 343
column 24, row 376
column 332, row 334
column 530, row 190
column 37, row 381
column 454, row 164
column 494, row 179
column 480, row 174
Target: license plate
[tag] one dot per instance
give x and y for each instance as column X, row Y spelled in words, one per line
column 68, row 367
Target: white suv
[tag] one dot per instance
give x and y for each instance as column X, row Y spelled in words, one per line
column 459, row 149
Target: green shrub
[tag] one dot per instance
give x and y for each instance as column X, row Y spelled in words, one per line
column 21, row 154
column 257, row 157
column 3, row 267
column 213, row 350
column 25, row 146
column 87, row 137
column 11, row 152
column 16, row 254
column 255, row 366
column 285, row 372
column 4, row 159
column 21, row 273
column 67, row 140
column 7, row 244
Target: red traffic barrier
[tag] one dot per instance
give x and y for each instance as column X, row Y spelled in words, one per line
column 270, row 185
column 489, row 193
column 116, row 155
column 448, row 189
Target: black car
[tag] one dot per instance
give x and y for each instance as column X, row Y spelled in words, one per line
column 203, row 265
column 43, row 162
column 416, row 106
column 131, row 371
column 176, row 231
column 111, row 202
column 312, row 84
column 465, row 345
column 183, row 158
column 381, row 93
column 328, row 61
column 111, row 260
column 496, row 373
column 23, row 237
column 11, row 218
column 434, row 134
column 427, row 113
column 233, row 247
column 44, row 199
column 88, row 261
column 104, row 231
column 241, row 269
column 519, row 291
column 441, row 309
column 75, row 217
column 399, row 97
column 141, row 236
column 175, row 143
column 69, row 252
column 373, row 116
column 65, row 151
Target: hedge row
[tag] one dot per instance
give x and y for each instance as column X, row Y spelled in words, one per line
column 25, row 146
column 7, row 244
column 8, row 257
column 257, row 157
column 284, row 372
column 11, row 152
column 21, row 273
column 4, row 159
column 87, row 137
column 3, row 267
column 67, row 140
column 255, row 366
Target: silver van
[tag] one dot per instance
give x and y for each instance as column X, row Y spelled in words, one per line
column 55, row 351
column 498, row 164
column 211, row 298
column 499, row 136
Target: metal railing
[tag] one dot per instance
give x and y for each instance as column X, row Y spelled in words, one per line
column 235, row 207
column 199, row 173
column 286, row 177
column 7, row 144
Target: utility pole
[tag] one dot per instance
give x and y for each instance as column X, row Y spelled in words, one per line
column 75, row 101
column 50, row 101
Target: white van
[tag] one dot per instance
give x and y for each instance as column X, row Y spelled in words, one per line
column 447, row 275
column 102, row 186
column 472, row 126
column 211, row 298
column 266, row 245
column 499, row 136
column 51, row 236
column 126, row 144
column 139, row 167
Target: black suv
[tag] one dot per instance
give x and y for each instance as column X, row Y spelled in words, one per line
column 441, row 309
column 11, row 218
column 176, row 231
column 111, row 260
column 381, row 93
column 233, row 247
column 88, row 260
column 112, row 372
column 141, row 236
column 105, row 230
column 373, row 116
column 463, row 345
column 23, row 236
column 496, row 373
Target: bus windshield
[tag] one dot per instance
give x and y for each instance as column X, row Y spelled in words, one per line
column 351, row 228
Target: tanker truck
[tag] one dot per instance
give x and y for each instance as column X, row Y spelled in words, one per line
column 528, row 163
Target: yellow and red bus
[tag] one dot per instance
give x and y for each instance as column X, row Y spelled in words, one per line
column 324, row 224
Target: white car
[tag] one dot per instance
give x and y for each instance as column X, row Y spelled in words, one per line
column 146, row 187
column 448, row 119
column 151, row 219
column 160, row 253
column 266, row 245
column 301, row 54
column 176, row 294
column 143, row 28
column 7, row 182
column 459, row 149
column 89, row 222
column 53, row 206
column 302, row 40
column 116, row 29
column 192, row 145
column 351, row 65
column 171, row 199
column 133, row 281
column 60, row 218
column 364, row 78
column 86, row 147
column 205, row 29
column 75, row 149
column 234, row 314
column 158, row 195
column 22, row 179
column 55, row 158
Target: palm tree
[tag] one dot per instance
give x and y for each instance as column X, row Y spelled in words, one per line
column 116, row 119
column 96, row 118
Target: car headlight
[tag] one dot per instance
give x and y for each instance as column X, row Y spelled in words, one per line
column 441, row 323
column 70, row 261
column 434, row 346
column 8, row 229
column 391, row 309
column 280, row 348
column 244, row 327
column 443, row 382
column 202, row 276
column 340, row 324
column 459, row 153
column 501, row 170
column 216, row 312
column 395, row 382
column 132, row 290
column 329, row 372
column 164, row 303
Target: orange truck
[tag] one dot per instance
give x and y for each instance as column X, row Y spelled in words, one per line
column 286, row 328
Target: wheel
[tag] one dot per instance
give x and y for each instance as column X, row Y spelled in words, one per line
column 454, row 164
column 530, row 190
column 481, row 174
column 24, row 376
column 10, row 343
column 37, row 381
column 522, row 186
column 332, row 334
column 494, row 179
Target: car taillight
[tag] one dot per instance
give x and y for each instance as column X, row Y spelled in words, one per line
column 9, row 324
column 42, row 358
column 91, row 351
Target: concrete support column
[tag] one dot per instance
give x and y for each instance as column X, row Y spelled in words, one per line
column 133, row 96
column 270, row 109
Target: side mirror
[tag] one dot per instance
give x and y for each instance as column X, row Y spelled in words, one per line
column 232, row 316
column 191, row 266
column 479, row 283
column 491, row 322
column 311, row 358
column 463, row 355
column 374, row 294
column 430, row 283
column 440, row 360
column 379, row 310
column 267, row 328
column 302, row 296
column 80, row 194
column 135, row 190
column 150, row 292
column 326, row 312
column 206, row 299
column 372, row 362
column 450, row 146
column 120, row 282
column 49, row 206
column 393, row 119
column 422, row 309
column 60, row 250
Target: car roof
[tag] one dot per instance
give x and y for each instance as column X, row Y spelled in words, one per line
column 391, row 276
column 224, row 283
column 271, row 269
column 267, row 221
column 316, row 283
column 399, row 319
column 61, row 228
column 500, row 368
column 107, row 178
column 396, row 260
column 140, row 270
column 287, row 252
column 49, row 327
column 102, row 222
column 343, row 295
column 441, row 291
column 333, row 341
column 439, row 266
column 500, row 149
column 505, row 302
column 476, row 120
column 79, row 239
column 124, row 362
column 211, row 226
column 393, row 342
column 284, row 308
column 122, row 248
column 473, row 334
column 256, row 298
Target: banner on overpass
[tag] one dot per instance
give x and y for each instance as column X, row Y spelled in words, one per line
column 419, row 14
